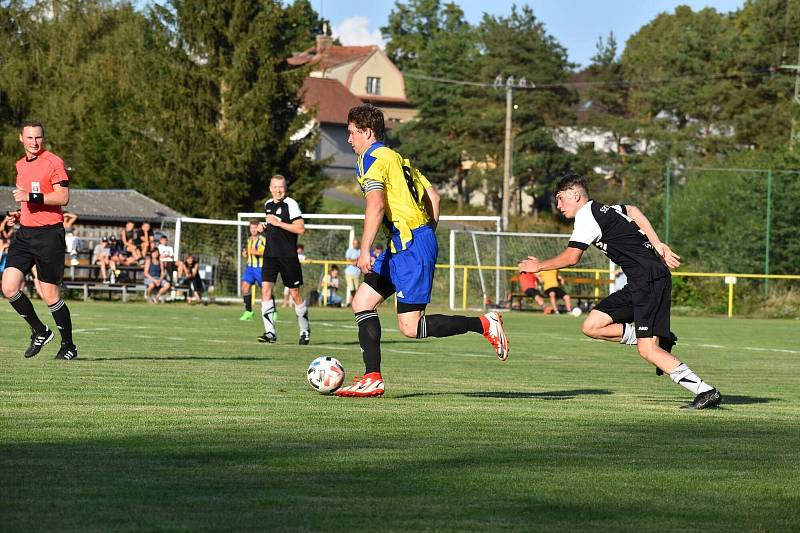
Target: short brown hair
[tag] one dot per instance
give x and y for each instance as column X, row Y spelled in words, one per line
column 367, row 116
column 570, row 180
column 31, row 124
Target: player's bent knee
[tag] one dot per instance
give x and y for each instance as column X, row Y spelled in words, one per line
column 409, row 330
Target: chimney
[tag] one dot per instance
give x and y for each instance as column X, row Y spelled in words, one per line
column 324, row 41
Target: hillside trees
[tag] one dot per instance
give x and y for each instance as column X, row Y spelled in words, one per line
column 191, row 103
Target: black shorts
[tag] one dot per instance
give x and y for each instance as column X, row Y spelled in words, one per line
column 646, row 304
column 288, row 267
column 532, row 292
column 557, row 290
column 43, row 246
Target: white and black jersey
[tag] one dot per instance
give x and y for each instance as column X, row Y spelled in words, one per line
column 280, row 242
column 609, row 228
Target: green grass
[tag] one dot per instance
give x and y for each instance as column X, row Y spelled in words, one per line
column 176, row 419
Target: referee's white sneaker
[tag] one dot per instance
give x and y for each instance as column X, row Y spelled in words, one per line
column 495, row 333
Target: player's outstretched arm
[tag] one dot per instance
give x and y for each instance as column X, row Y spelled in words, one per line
column 671, row 259
column 569, row 257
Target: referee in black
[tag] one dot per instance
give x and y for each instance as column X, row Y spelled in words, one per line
column 284, row 223
column 42, row 188
column 639, row 313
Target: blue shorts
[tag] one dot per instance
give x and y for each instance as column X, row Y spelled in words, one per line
column 411, row 270
column 252, row 276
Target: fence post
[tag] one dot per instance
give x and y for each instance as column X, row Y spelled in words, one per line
column 731, row 281
column 464, row 290
column 666, row 203
column 324, row 283
column 768, row 228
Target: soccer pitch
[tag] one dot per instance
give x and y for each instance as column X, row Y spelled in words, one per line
column 174, row 418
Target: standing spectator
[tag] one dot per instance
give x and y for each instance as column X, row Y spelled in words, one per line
column 352, row 274
column 253, row 254
column 284, row 223
column 42, row 188
column 330, row 287
column 551, row 284
column 101, row 256
column 400, row 199
column 3, row 249
column 376, row 253
column 7, row 226
column 620, row 279
column 155, row 277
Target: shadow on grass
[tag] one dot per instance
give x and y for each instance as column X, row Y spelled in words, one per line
column 173, row 358
column 745, row 400
column 545, row 395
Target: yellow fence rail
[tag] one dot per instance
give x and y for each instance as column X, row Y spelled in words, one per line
column 599, row 274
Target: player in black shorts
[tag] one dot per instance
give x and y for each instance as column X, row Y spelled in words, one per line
column 42, row 187
column 284, row 222
column 640, row 312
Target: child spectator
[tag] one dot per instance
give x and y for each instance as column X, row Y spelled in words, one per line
column 331, row 284
column 155, row 278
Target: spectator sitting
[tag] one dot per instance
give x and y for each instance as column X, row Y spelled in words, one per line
column 155, row 277
column 3, row 249
column 376, row 253
column 551, row 283
column 147, row 238
column 101, row 256
column 332, row 283
column 167, row 254
column 352, row 274
column 73, row 243
column 7, row 226
column 131, row 238
column 528, row 285
column 189, row 272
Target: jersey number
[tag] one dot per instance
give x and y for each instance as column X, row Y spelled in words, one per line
column 410, row 182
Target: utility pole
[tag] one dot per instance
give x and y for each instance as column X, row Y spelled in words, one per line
column 795, row 135
column 510, row 84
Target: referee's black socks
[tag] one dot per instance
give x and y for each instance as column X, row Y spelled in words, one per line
column 22, row 305
column 63, row 320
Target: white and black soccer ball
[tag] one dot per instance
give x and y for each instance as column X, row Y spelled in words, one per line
column 325, row 374
column 577, row 311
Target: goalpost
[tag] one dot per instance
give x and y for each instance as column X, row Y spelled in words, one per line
column 218, row 245
column 489, row 249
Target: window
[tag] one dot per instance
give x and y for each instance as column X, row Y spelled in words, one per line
column 373, row 85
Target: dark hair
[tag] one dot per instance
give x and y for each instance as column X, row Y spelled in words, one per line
column 367, row 116
column 570, row 180
column 31, row 124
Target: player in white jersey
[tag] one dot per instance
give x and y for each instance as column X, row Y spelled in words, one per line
column 640, row 312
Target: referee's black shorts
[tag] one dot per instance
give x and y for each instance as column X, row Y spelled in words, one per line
column 646, row 304
column 43, row 246
column 288, row 267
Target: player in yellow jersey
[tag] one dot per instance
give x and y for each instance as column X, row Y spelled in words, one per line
column 254, row 254
column 399, row 198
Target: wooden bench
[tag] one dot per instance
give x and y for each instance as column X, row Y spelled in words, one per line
column 583, row 297
column 87, row 287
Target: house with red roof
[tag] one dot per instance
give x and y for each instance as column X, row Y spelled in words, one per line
column 340, row 78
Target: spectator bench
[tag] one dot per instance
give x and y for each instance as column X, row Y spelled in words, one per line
column 84, row 277
column 584, row 297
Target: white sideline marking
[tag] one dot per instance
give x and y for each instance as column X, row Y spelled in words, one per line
column 90, row 330
column 175, row 338
column 780, row 350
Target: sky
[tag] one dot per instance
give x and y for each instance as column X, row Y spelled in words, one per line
column 576, row 24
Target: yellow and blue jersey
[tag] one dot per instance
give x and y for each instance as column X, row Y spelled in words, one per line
column 256, row 245
column 382, row 169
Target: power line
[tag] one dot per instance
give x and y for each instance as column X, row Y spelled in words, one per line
column 621, row 83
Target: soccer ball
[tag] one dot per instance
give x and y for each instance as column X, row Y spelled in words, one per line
column 325, row 374
column 576, row 311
